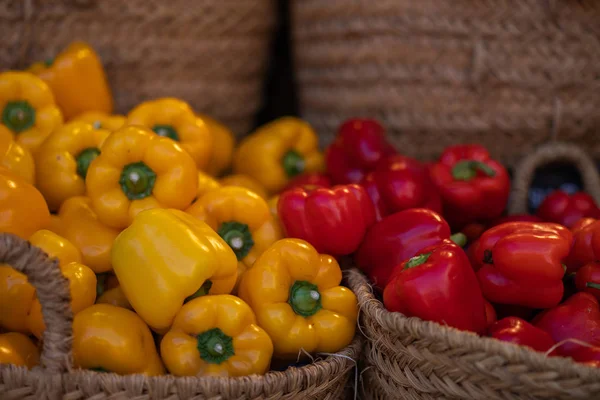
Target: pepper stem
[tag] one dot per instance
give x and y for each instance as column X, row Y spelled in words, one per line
column 203, row 291
column 214, row 346
column 166, row 131
column 467, row 169
column 18, row 116
column 137, row 181
column 593, row 285
column 48, row 62
column 459, row 238
column 417, row 260
column 305, row 298
column 238, row 237
column 84, row 159
column 293, row 163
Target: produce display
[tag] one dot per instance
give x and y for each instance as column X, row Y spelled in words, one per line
column 188, row 253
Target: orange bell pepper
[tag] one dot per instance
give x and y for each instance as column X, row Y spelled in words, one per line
column 15, row 157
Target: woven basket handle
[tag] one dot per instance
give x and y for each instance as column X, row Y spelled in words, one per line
column 52, row 290
column 543, row 155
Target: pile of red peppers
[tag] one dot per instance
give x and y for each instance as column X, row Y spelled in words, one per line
column 436, row 243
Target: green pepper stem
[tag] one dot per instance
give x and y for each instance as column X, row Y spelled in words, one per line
column 467, row 169
column 417, row 260
column 305, row 298
column 593, row 285
column 166, row 131
column 215, row 346
column 84, row 159
column 18, row 116
column 293, row 163
column 459, row 238
column 238, row 237
column 137, row 181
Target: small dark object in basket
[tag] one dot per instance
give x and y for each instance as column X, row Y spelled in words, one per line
column 550, row 178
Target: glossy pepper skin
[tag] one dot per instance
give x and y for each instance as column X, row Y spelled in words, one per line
column 310, row 180
column 296, row 295
column 24, row 210
column 576, row 318
column 101, row 120
column 518, row 331
column 521, row 263
column 216, row 335
column 566, row 209
column 27, row 108
column 206, row 183
column 245, row 181
column 139, row 170
column 62, row 161
column 155, row 268
column 15, row 157
column 490, row 313
column 397, row 238
column 587, row 279
column 277, row 152
column 18, row 349
column 334, row 220
column 113, row 339
column 586, row 244
column 175, row 119
column 399, row 183
column 438, row 284
column 223, row 145
column 242, row 219
column 473, row 187
column 78, row 223
column 77, row 79
column 359, row 145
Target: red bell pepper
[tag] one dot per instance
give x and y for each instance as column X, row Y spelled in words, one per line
column 490, row 313
column 333, row 220
column 473, row 187
column 566, row 209
column 309, row 180
column 399, row 183
column 518, row 331
column 521, row 263
column 397, row 238
column 439, row 285
column 473, row 231
column 515, row 218
column 587, row 279
column 359, row 145
column 577, row 318
column 586, row 244
column 589, row 356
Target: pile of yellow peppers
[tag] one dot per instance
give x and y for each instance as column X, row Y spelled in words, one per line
column 165, row 228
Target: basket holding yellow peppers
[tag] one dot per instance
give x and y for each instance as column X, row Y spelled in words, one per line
column 166, row 229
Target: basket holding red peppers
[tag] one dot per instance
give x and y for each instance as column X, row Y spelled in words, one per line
column 436, row 242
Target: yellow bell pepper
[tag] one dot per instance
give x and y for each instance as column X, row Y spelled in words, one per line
column 138, row 170
column 62, row 161
column 242, row 219
column 79, row 224
column 18, row 349
column 28, row 108
column 24, row 209
column 167, row 256
column 113, row 339
column 78, row 80
column 272, row 203
column 15, row 157
column 206, row 183
column 216, row 336
column 101, row 120
column 175, row 119
column 277, row 152
column 20, row 310
column 108, row 291
column 247, row 182
column 296, row 295
column 223, row 145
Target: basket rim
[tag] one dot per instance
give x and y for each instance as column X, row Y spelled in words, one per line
column 370, row 307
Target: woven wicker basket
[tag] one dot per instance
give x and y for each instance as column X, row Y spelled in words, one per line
column 212, row 54
column 328, row 378
column 508, row 74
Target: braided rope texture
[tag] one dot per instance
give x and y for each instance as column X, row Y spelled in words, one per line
column 407, row 358
column 509, row 74
column 212, row 54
